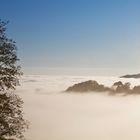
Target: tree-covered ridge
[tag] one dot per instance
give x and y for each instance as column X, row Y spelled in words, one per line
column 131, row 76
column 94, row 86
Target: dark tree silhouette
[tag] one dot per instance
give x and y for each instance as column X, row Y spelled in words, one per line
column 12, row 123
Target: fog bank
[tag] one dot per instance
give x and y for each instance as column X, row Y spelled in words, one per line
column 55, row 115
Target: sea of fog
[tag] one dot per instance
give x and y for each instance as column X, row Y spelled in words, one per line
column 56, row 115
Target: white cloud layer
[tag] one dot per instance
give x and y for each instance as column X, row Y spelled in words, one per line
column 55, row 115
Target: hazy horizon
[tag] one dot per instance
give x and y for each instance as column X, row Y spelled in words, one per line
column 80, row 71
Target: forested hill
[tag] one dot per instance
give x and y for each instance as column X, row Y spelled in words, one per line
column 131, row 76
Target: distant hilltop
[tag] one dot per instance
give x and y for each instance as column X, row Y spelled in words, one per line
column 131, row 76
column 94, row 86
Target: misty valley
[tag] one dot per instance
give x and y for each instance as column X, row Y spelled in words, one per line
column 59, row 115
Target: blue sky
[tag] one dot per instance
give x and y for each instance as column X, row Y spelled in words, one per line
column 73, row 36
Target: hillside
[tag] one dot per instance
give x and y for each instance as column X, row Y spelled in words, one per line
column 131, row 76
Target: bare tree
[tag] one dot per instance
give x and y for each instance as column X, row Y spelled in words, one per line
column 12, row 123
